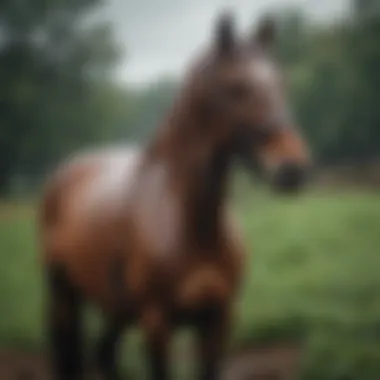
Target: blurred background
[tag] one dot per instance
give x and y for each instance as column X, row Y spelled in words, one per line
column 75, row 74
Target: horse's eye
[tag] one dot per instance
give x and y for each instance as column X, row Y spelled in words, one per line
column 238, row 91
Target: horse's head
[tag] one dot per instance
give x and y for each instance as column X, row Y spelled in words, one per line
column 241, row 90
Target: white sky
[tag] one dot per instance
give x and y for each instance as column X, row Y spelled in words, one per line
column 160, row 35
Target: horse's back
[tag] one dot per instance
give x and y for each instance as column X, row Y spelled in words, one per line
column 86, row 192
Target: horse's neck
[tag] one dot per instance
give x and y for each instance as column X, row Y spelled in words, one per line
column 206, row 198
column 198, row 171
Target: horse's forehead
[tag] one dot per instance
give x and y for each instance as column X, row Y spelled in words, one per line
column 264, row 71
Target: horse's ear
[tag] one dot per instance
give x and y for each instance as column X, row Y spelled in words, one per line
column 265, row 35
column 225, row 33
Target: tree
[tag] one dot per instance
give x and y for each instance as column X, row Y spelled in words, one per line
column 52, row 58
column 335, row 83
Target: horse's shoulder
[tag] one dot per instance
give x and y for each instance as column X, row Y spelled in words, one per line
column 155, row 209
column 234, row 241
column 232, row 226
column 93, row 180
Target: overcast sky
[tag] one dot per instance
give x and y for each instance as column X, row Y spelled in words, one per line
column 161, row 35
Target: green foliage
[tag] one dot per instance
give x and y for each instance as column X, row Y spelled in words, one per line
column 57, row 90
column 334, row 84
column 52, row 63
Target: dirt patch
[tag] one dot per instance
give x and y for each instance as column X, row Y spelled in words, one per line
column 274, row 362
column 23, row 366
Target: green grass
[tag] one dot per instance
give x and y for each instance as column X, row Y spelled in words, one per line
column 314, row 273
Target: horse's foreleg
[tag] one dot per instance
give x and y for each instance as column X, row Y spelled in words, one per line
column 64, row 313
column 213, row 331
column 157, row 337
column 109, row 342
column 107, row 349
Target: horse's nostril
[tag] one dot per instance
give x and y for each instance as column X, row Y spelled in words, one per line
column 289, row 177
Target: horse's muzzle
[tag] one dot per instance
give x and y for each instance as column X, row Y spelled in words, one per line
column 290, row 177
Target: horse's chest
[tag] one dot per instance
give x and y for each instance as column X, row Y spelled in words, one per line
column 156, row 213
column 202, row 286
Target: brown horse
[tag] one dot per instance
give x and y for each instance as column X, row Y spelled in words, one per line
column 146, row 235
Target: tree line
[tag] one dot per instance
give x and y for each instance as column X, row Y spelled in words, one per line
column 58, row 93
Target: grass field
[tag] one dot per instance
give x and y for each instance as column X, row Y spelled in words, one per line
column 314, row 272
